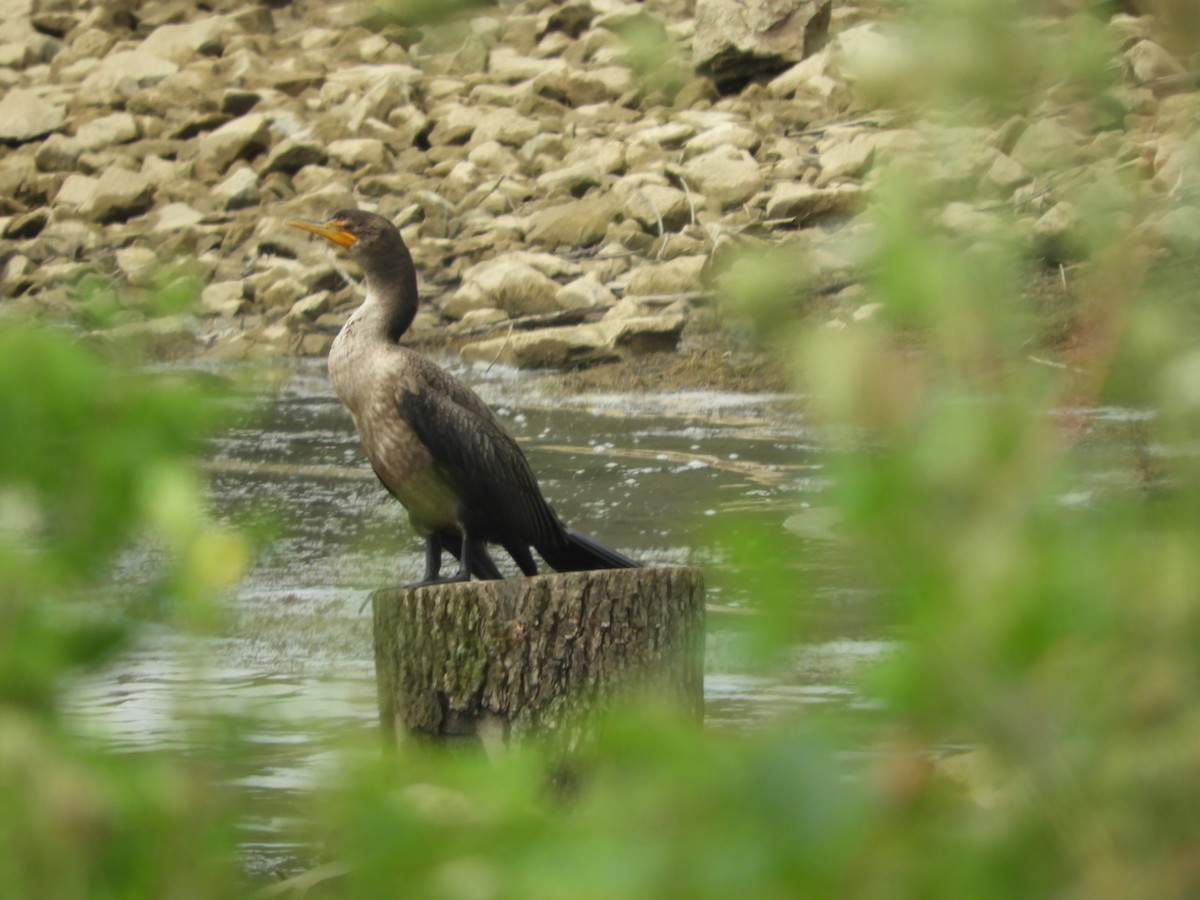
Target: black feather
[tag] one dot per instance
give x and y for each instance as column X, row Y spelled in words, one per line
column 579, row 553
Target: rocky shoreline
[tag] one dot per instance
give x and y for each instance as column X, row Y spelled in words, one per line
column 567, row 174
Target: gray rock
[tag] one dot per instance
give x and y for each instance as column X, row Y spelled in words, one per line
column 482, row 317
column 281, row 293
column 54, row 18
column 807, row 79
column 635, row 308
column 129, row 67
column 166, row 173
column 575, row 88
column 675, row 277
column 224, row 298
column 549, row 264
column 179, row 43
column 242, row 138
column 17, row 55
column 176, row 217
column 239, row 101
column 659, row 208
column 491, row 156
column 967, row 220
column 87, row 43
column 1149, row 62
column 507, row 65
column 575, row 179
column 70, row 238
column 464, row 301
column 726, row 175
column 638, row 336
column 139, row 265
column 384, row 84
column 504, row 127
column 845, row 155
column 1006, row 174
column 58, row 153
column 26, row 116
column 672, row 134
column 1055, row 232
column 544, row 348
column 580, row 223
column 17, row 276
column 313, row 179
column 736, row 40
column 76, row 190
column 117, row 195
column 574, row 344
column 290, row 156
column 26, row 225
column 453, row 124
column 309, row 309
column 409, row 123
column 804, row 203
column 107, row 131
column 1045, row 144
column 607, row 156
column 585, row 292
column 460, row 181
column 357, row 153
column 512, row 285
column 726, row 134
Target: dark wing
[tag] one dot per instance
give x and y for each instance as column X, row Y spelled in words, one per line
column 479, row 459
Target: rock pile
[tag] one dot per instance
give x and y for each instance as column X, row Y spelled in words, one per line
column 567, row 163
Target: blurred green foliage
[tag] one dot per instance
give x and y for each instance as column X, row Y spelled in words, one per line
column 94, row 458
column 1054, row 640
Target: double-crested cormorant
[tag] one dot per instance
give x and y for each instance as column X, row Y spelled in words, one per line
column 433, row 443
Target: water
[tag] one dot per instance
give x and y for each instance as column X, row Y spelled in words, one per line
column 655, row 476
column 650, row 475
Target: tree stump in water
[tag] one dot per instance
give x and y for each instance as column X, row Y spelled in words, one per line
column 496, row 660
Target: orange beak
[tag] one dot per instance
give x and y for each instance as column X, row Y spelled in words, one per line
column 333, row 231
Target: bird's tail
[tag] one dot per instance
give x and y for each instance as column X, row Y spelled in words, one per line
column 579, row 553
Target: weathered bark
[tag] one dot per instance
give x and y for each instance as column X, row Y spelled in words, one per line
column 506, row 659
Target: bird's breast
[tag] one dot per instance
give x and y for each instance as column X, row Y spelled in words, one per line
column 369, row 379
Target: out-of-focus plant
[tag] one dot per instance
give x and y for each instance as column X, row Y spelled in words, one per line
column 652, row 55
column 1045, row 623
column 93, row 459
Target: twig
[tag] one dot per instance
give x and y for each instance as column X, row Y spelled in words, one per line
column 817, row 132
column 1063, row 367
column 670, row 298
column 503, row 346
column 495, row 187
column 687, row 193
column 528, row 323
column 654, row 208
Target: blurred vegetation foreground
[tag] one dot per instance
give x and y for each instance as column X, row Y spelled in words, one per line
column 1050, row 638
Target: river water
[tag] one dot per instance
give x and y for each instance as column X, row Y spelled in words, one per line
column 655, row 476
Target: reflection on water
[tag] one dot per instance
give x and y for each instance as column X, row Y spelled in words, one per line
column 649, row 475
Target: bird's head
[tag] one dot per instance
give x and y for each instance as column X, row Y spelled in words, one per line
column 362, row 233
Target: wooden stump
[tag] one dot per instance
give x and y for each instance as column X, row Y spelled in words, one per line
column 505, row 659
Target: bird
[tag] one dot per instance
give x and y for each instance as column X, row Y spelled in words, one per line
column 435, row 445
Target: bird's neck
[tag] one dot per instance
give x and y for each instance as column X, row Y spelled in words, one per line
column 391, row 301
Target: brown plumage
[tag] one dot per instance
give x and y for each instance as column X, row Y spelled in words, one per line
column 433, row 443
